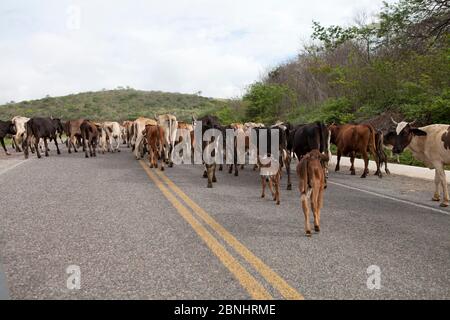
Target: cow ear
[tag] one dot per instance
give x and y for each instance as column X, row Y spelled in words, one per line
column 418, row 132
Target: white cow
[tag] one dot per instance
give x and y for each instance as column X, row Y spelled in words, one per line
column 114, row 133
column 170, row 125
column 431, row 145
column 137, row 142
column 21, row 132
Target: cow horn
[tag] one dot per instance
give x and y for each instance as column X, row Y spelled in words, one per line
column 395, row 122
column 413, row 123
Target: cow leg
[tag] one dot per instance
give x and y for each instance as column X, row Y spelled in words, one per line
column 304, row 200
column 339, row 155
column 287, row 162
column 4, row 147
column 271, row 188
column 366, row 164
column 263, row 185
column 352, row 161
column 277, row 189
column 57, row 147
column 16, row 145
column 437, row 182
column 230, row 168
column 443, row 179
column 36, row 147
column 205, row 173
column 209, row 171
column 214, row 179
column 46, row 147
column 315, row 207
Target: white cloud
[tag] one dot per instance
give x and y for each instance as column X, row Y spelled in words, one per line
column 217, row 47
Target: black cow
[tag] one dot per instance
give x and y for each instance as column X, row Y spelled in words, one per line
column 6, row 128
column 209, row 122
column 308, row 137
column 42, row 128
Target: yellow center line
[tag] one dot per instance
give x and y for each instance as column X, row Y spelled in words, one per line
column 253, row 287
column 271, row 276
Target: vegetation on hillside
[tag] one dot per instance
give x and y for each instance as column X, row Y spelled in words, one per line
column 398, row 63
column 121, row 104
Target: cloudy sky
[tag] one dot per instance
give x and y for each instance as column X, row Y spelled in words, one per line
column 214, row 46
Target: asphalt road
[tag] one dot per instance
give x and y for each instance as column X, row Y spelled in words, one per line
column 135, row 233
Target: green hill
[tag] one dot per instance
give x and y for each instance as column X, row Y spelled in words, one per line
column 126, row 104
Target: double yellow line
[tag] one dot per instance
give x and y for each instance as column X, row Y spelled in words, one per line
column 251, row 284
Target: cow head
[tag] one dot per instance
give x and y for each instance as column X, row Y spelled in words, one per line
column 12, row 129
column 403, row 135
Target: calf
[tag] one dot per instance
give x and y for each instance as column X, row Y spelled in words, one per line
column 155, row 144
column 270, row 171
column 311, row 176
column 355, row 139
column 6, row 128
column 90, row 134
column 431, row 145
column 41, row 128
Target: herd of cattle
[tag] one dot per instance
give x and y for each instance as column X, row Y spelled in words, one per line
column 309, row 143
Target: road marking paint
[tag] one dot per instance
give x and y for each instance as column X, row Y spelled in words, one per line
column 253, row 287
column 13, row 166
column 389, row 197
column 268, row 274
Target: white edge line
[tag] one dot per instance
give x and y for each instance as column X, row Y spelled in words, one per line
column 390, row 198
column 13, row 166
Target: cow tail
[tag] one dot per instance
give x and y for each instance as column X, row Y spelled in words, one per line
column 373, row 142
column 322, row 136
column 304, row 177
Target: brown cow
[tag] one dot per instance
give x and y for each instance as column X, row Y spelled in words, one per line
column 128, row 134
column 155, row 143
column 355, row 139
column 73, row 132
column 311, row 175
column 90, row 134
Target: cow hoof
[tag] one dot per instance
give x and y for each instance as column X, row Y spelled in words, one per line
column 363, row 176
column 87, row 157
column 171, row 165
column 236, row 174
column 317, row 228
column 214, row 180
column 388, row 172
column 162, row 168
column 353, row 173
column 205, row 175
column 437, row 199
column 263, row 196
column 8, row 154
column 337, row 169
column 308, row 234
column 444, row 205
column 210, row 185
column 118, row 150
column 278, row 203
column 289, row 187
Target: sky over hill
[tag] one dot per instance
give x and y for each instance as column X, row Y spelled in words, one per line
column 217, row 47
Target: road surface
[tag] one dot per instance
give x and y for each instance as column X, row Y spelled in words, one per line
column 136, row 233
